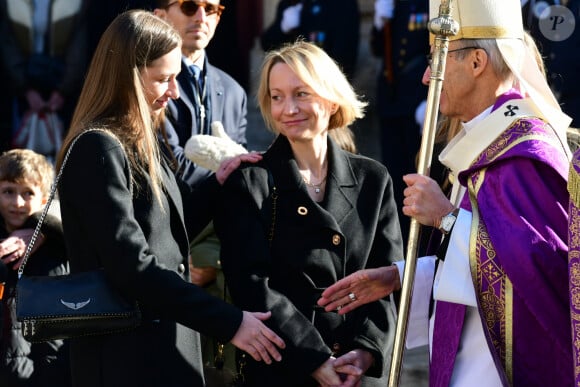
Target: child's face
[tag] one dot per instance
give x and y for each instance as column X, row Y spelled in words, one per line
column 17, row 202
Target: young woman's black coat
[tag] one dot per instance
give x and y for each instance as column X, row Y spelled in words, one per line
column 143, row 247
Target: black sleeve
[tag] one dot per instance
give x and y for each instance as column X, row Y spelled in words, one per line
column 51, row 227
column 199, row 203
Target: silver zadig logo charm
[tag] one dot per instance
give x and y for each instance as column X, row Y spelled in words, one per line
column 75, row 305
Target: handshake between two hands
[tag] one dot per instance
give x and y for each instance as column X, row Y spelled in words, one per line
column 344, row 371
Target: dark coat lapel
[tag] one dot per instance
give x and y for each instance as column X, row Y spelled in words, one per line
column 340, row 185
column 217, row 91
column 175, row 201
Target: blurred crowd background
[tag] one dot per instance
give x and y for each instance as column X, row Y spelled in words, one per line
column 381, row 45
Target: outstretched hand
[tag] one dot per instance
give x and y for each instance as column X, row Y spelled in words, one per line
column 229, row 165
column 359, row 288
column 257, row 339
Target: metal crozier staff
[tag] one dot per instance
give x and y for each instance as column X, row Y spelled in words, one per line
column 442, row 27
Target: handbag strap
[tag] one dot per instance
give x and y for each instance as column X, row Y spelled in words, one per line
column 274, row 195
column 53, row 188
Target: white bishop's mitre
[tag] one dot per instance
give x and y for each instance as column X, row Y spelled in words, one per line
column 502, row 20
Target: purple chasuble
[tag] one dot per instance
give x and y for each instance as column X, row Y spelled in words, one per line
column 449, row 316
column 517, row 190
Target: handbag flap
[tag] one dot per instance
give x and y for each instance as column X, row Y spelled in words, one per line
column 74, row 295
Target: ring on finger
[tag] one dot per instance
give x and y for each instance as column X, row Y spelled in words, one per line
column 352, row 297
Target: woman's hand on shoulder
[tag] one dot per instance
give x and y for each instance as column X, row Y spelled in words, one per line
column 257, row 339
column 229, row 165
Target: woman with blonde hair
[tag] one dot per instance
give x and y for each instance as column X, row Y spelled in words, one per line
column 305, row 216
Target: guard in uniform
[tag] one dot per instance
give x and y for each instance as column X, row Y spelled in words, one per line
column 331, row 24
column 402, row 42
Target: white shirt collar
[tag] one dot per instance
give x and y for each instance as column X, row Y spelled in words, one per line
column 199, row 62
column 474, row 121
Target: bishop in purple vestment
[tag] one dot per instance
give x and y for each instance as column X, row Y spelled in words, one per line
column 502, row 312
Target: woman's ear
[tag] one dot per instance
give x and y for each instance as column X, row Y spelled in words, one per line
column 333, row 108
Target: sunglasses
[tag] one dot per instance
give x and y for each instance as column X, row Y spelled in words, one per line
column 189, row 8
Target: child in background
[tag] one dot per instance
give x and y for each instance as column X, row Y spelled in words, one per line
column 25, row 179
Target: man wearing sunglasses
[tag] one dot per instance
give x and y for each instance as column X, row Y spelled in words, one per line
column 207, row 94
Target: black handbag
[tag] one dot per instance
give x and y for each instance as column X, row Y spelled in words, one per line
column 73, row 305
column 217, row 375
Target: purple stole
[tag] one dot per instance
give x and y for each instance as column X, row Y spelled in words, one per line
column 518, row 253
column 574, row 259
column 449, row 319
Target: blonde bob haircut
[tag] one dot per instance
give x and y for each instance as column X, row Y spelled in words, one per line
column 317, row 70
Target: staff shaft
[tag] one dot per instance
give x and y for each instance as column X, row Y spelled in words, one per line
column 442, row 27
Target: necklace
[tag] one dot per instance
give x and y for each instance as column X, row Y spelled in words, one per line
column 317, row 187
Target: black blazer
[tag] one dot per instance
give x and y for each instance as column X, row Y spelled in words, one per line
column 143, row 247
column 313, row 246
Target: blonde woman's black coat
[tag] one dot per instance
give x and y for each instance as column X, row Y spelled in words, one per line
column 313, row 246
column 143, row 247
